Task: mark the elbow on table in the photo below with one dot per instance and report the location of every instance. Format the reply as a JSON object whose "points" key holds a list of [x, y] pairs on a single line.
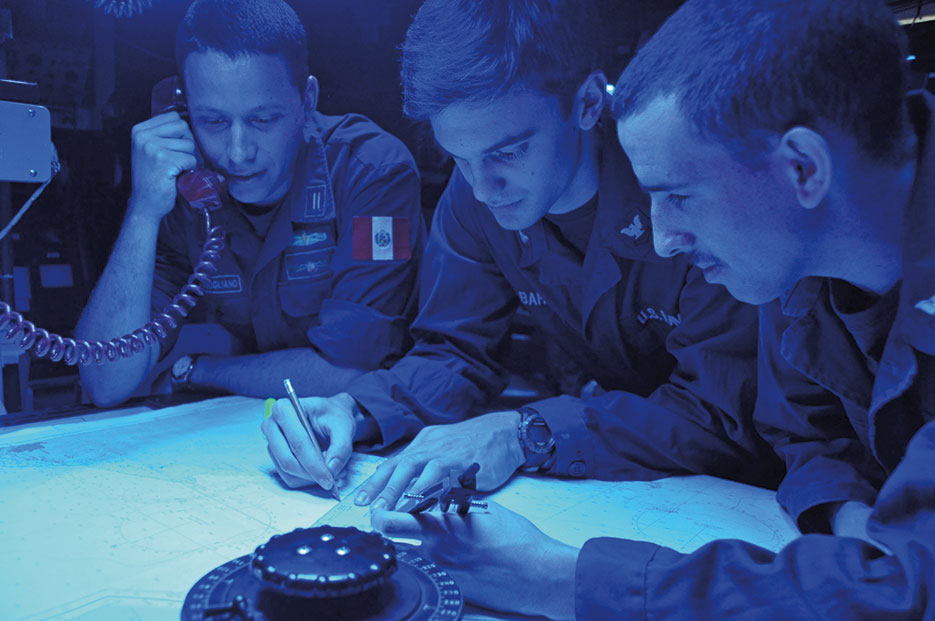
{"points": [[103, 388]]}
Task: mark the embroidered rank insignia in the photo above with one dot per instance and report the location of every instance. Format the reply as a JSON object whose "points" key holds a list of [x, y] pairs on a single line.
{"points": [[308, 239], [634, 230], [380, 238], [315, 200], [927, 306], [304, 265]]}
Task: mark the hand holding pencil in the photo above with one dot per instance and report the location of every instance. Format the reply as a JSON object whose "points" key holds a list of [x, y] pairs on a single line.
{"points": [[296, 430]]}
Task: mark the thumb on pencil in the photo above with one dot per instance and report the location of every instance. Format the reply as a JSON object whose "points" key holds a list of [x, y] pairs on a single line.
{"points": [[334, 421]]}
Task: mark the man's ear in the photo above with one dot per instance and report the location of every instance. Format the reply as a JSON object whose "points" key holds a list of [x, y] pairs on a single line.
{"points": [[806, 160], [589, 100], [310, 96]]}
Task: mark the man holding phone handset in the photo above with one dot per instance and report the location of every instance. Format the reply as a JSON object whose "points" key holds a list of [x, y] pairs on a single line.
{"points": [[323, 221]]}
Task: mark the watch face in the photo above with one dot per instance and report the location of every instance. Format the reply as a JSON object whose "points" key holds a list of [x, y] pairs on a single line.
{"points": [[181, 365], [535, 435]]}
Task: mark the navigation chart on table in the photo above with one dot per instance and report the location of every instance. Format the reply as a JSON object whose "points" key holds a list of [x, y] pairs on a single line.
{"points": [[114, 516], [117, 517], [682, 513]]}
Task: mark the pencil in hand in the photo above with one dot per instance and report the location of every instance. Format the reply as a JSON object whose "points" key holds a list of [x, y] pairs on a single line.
{"points": [[294, 400]]}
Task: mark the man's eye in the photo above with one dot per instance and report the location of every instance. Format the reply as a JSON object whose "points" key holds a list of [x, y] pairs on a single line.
{"points": [[512, 154], [264, 120], [213, 123], [677, 200]]}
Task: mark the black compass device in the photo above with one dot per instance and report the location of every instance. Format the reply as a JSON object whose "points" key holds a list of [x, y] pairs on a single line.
{"points": [[326, 572]]}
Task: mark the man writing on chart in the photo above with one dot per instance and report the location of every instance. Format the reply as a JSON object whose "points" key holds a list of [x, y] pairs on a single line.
{"points": [[542, 211], [295, 285], [784, 155]]}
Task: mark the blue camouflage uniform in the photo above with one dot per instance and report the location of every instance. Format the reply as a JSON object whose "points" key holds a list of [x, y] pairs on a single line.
{"points": [[854, 420], [297, 283], [675, 354]]}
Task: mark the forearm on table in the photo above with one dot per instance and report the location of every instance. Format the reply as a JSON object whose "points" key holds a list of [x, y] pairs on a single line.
{"points": [[120, 304], [710, 435], [619, 435], [557, 575], [261, 375], [418, 391]]}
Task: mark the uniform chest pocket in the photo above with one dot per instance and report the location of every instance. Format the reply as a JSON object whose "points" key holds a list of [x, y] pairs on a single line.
{"points": [[305, 281]]}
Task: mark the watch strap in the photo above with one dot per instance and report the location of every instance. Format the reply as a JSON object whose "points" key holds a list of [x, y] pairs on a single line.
{"points": [[183, 381]]}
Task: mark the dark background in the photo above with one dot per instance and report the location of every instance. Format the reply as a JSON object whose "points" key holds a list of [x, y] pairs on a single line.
{"points": [[95, 72]]}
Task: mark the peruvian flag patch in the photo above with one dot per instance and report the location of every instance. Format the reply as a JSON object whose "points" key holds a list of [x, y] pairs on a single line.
{"points": [[380, 238]]}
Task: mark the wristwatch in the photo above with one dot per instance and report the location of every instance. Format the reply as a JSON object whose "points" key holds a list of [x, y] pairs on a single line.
{"points": [[536, 439], [182, 372]]}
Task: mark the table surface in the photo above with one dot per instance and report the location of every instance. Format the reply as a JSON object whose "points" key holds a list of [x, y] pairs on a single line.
{"points": [[116, 515]]}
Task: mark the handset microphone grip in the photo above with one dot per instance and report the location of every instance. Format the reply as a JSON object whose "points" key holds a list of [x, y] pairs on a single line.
{"points": [[201, 188]]}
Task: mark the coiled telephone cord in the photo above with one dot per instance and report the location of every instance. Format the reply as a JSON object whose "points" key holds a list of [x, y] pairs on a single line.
{"points": [[77, 351]]}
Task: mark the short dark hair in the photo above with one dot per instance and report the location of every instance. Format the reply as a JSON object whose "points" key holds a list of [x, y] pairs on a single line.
{"points": [[477, 50], [238, 27], [739, 69]]}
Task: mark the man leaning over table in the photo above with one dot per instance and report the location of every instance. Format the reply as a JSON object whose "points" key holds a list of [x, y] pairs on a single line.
{"points": [[542, 211], [785, 157]]}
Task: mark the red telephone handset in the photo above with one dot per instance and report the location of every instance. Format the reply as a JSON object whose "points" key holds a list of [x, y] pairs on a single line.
{"points": [[168, 96], [201, 187]]}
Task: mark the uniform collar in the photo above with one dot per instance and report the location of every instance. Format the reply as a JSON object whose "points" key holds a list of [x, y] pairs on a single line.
{"points": [[914, 326], [802, 297], [918, 287], [622, 222], [309, 199]]}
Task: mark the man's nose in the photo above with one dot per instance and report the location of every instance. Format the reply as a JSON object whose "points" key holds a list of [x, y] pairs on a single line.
{"points": [[669, 239], [487, 184], [240, 147]]}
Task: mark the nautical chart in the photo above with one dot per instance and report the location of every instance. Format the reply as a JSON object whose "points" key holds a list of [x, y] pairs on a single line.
{"points": [[683, 513], [114, 516]]}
